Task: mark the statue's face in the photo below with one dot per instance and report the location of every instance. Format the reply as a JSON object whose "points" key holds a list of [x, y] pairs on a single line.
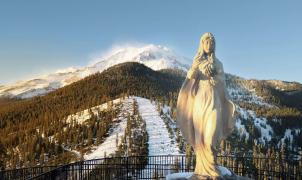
{"points": [[208, 45]]}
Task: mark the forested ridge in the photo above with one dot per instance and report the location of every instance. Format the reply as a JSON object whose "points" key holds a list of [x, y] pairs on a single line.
{"points": [[20, 119], [28, 125]]}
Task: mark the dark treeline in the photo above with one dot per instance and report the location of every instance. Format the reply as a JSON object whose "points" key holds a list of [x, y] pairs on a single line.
{"points": [[135, 139], [289, 98]]}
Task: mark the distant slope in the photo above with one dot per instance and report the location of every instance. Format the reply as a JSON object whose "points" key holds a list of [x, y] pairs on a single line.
{"points": [[280, 93]]}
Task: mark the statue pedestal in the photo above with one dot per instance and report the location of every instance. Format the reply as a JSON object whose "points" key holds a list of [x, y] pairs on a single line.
{"points": [[226, 175]]}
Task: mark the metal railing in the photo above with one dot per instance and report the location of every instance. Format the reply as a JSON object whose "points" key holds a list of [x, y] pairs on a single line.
{"points": [[157, 167], [25, 173]]}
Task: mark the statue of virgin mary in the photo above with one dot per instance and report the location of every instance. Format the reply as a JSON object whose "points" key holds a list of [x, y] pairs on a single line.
{"points": [[205, 115]]}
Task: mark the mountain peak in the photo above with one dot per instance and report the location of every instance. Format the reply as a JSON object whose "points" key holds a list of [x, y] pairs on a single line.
{"points": [[156, 57]]}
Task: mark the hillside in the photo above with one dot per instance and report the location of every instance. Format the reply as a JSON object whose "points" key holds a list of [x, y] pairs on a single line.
{"points": [[79, 121], [20, 119]]}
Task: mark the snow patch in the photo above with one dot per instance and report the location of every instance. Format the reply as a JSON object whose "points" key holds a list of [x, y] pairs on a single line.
{"points": [[109, 146], [289, 135], [241, 129], [82, 116], [259, 122], [240, 92], [265, 129]]}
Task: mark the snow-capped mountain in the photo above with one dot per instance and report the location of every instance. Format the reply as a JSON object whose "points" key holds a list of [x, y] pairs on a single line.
{"points": [[153, 56], [86, 123]]}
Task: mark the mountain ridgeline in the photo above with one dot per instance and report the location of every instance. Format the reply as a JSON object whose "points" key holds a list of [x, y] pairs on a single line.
{"points": [[125, 78], [27, 125], [155, 57]]}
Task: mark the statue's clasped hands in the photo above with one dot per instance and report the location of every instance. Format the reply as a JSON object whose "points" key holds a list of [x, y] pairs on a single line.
{"points": [[208, 69]]}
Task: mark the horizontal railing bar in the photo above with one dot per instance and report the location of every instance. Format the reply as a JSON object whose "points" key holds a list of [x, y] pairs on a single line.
{"points": [[126, 166]]}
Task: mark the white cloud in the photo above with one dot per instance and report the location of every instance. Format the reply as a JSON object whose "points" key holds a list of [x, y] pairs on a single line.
{"points": [[103, 54]]}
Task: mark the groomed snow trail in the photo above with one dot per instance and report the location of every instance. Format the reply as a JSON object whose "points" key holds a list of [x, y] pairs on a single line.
{"points": [[159, 140]]}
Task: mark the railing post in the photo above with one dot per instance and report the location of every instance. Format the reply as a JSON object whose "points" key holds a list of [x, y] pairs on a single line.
{"points": [[66, 171], [127, 168], [81, 169]]}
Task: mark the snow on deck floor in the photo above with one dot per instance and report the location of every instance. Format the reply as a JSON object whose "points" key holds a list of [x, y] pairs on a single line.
{"points": [[109, 145]]}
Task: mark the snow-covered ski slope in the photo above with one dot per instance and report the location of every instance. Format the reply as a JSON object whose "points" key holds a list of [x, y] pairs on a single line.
{"points": [[109, 146], [159, 141]]}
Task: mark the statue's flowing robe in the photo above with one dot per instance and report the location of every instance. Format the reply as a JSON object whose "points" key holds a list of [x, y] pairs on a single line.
{"points": [[205, 116]]}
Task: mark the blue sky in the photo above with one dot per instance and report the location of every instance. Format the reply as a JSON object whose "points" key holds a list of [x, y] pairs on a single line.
{"points": [[255, 39]]}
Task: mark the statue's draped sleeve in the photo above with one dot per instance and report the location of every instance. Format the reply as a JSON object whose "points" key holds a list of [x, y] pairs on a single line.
{"points": [[229, 107], [185, 104], [185, 110]]}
